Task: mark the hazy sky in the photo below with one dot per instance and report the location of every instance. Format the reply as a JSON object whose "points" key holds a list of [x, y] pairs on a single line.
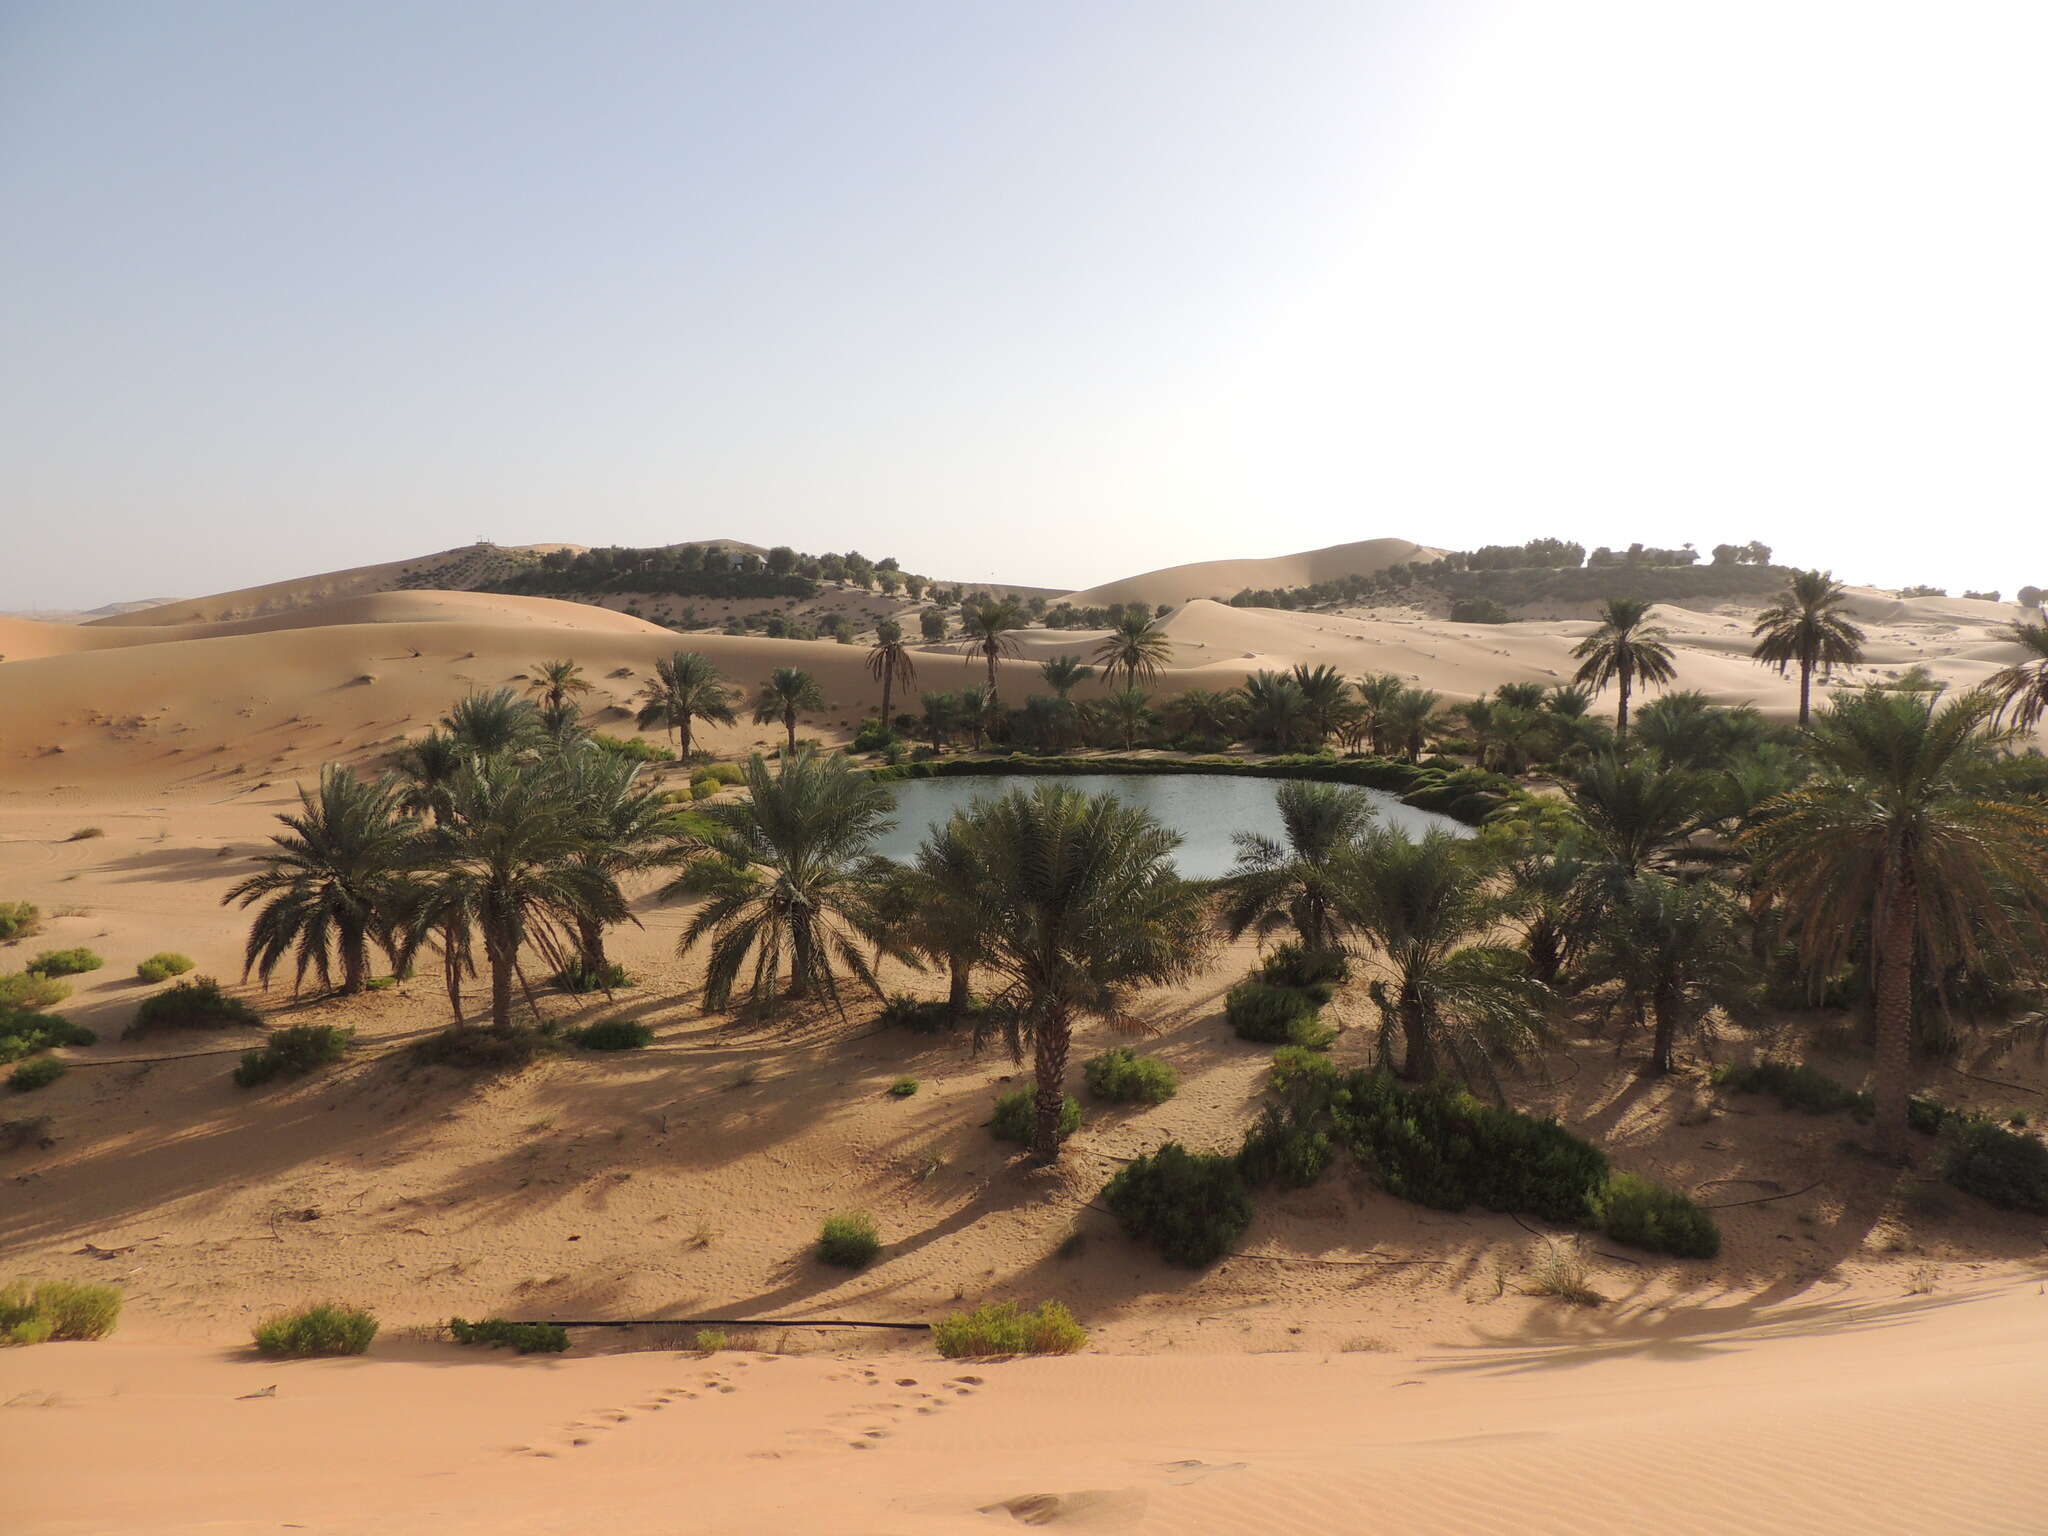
{"points": [[1045, 291]]}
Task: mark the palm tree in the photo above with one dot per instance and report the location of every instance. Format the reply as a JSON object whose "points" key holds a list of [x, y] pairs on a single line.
{"points": [[1569, 701], [426, 768], [1544, 872], [889, 662], [1136, 647], [1203, 714], [790, 873], [1129, 710], [1503, 735], [1275, 709], [687, 688], [1805, 628], [1377, 693], [336, 884], [1293, 881], [977, 706], [1625, 650], [1632, 816], [1407, 721], [507, 865], [484, 724], [940, 716], [1081, 904], [2021, 690], [987, 625], [1529, 696], [787, 690], [1325, 691], [933, 909], [626, 826], [1063, 672], [557, 682], [1902, 835], [1424, 906], [1672, 950]]}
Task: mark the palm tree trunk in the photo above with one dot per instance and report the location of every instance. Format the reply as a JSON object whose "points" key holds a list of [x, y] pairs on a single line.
{"points": [[789, 721], [1660, 1045], [685, 728], [1895, 1019], [1419, 1063], [501, 988], [888, 677], [355, 962], [1621, 714], [590, 945], [1805, 690], [956, 991], [992, 678], [1055, 1038]]}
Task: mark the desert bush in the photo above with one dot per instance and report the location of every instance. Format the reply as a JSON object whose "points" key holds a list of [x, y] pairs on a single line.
{"points": [[722, 774], [709, 1341], [612, 1035], [85, 833], [24, 1034], [484, 1050], [849, 1240], [1003, 1328], [1281, 1148], [1274, 1015], [65, 962], [39, 1073], [1562, 1270], [163, 965], [1122, 1076], [293, 1053], [903, 1088], [57, 1309], [19, 920], [29, 1131], [582, 978], [1016, 1116], [1793, 1084], [498, 1332], [1191, 1207], [633, 748], [196, 1004], [1318, 972], [325, 1329], [920, 1016], [20, 990], [874, 735], [1479, 610], [2005, 1168], [1645, 1214]]}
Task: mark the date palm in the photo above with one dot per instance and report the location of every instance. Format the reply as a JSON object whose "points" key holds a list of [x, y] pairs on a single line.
{"points": [[787, 690], [939, 717], [557, 683], [1203, 714], [790, 872], [1326, 693], [1291, 880], [1625, 650], [1127, 711], [506, 868], [2021, 690], [987, 625], [1061, 673], [933, 908], [1377, 693], [1275, 710], [1805, 628], [1425, 911], [336, 884], [1672, 951], [1137, 647], [425, 769], [1082, 904], [486, 724], [1407, 721], [1904, 834], [625, 827], [889, 663], [687, 688]]}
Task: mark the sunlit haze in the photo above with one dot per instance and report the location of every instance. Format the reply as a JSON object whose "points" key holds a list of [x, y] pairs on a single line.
{"points": [[1049, 293]]}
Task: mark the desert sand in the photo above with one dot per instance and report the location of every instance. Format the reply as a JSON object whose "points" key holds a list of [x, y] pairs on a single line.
{"points": [[1864, 1342]]}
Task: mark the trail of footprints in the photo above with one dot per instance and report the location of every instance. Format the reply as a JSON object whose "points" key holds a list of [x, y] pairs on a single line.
{"points": [[862, 1427]]}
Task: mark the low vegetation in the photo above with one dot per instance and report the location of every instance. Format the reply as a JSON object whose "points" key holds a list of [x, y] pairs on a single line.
{"points": [[39, 1073], [24, 1034], [499, 1333], [1000, 1328], [26, 1131], [1644, 1214], [581, 978], [1016, 1115], [2002, 1167], [1562, 1270], [293, 1053], [57, 1309], [162, 966], [196, 1004], [324, 1329], [1273, 1014], [19, 920], [1794, 1085], [1122, 1076], [612, 1035], [1190, 1206], [903, 1088], [849, 1240], [20, 990], [65, 962]]}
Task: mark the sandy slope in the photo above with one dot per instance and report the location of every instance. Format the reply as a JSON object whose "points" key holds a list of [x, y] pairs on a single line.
{"points": [[1224, 578]]}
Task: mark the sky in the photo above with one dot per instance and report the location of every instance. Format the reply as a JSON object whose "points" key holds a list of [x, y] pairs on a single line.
{"points": [[1040, 292]]}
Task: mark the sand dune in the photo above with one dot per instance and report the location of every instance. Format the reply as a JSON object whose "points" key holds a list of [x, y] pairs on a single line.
{"points": [[1224, 578]]}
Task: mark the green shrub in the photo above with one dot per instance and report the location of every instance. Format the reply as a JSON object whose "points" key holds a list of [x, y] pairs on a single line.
{"points": [[24, 1034], [1280, 1148], [1016, 1116], [1191, 1207], [325, 1329], [196, 1004], [57, 1309], [903, 1088], [703, 789], [1122, 1076], [612, 1035], [633, 748], [1274, 1015], [163, 966], [1644, 1214], [497, 1332], [39, 1073], [1794, 1085], [722, 774], [473, 1049], [293, 1053], [874, 735], [923, 1016], [2008, 1169], [65, 962], [1003, 1328], [581, 978], [1317, 972], [710, 1341], [1479, 610], [20, 990], [849, 1240], [19, 920]]}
